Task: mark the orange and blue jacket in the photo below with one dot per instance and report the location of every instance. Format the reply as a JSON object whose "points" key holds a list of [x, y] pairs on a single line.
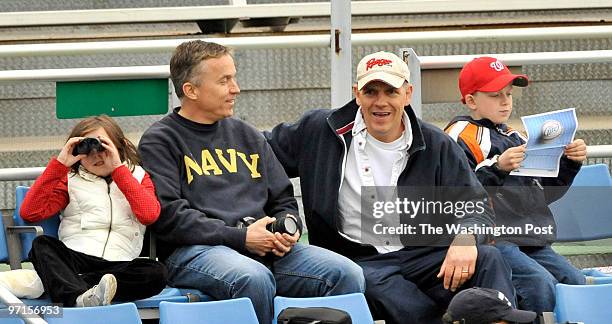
{"points": [[517, 200]]}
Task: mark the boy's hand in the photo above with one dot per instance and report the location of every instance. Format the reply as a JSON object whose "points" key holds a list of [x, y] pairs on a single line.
{"points": [[511, 158], [576, 150]]}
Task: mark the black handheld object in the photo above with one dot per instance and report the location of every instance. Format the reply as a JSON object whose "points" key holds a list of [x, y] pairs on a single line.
{"points": [[86, 145], [283, 224]]}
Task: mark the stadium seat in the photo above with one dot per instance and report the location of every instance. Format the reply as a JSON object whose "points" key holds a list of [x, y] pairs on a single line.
{"points": [[6, 318], [596, 175], [583, 213], [354, 304], [50, 225], [238, 310], [125, 313], [584, 303], [4, 255], [596, 277]]}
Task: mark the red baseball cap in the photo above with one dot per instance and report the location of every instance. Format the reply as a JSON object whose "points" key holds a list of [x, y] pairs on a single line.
{"points": [[489, 75]]}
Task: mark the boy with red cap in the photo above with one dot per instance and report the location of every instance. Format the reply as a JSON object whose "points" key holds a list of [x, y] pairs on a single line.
{"points": [[493, 150]]}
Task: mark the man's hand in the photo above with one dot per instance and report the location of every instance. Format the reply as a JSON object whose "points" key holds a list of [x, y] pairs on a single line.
{"points": [[258, 239], [284, 242], [460, 262], [576, 150], [511, 158]]}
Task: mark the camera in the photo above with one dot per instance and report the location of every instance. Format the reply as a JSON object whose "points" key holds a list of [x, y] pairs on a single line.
{"points": [[86, 145], [283, 224]]}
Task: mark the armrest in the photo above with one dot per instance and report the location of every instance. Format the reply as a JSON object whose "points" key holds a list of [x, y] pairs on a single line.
{"points": [[14, 244], [25, 229]]}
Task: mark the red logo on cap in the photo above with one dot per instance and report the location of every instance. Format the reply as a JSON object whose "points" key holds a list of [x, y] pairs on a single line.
{"points": [[374, 61]]}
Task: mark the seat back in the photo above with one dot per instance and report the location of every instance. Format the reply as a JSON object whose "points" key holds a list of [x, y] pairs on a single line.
{"points": [[596, 175], [238, 310], [583, 213], [7, 317], [49, 225], [596, 277], [4, 254], [125, 313], [354, 304], [584, 303]]}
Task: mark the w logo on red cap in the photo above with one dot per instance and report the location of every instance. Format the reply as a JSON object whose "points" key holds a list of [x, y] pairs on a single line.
{"points": [[497, 66]]}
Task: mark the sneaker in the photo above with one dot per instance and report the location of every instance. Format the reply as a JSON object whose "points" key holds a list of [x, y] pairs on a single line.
{"points": [[100, 294]]}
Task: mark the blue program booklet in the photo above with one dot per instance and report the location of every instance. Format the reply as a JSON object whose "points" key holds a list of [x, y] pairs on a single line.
{"points": [[548, 134]]}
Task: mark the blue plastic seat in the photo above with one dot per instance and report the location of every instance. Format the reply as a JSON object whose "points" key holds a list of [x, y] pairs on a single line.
{"points": [[596, 175], [8, 318], [583, 213], [125, 313], [4, 255], [238, 310], [354, 304], [596, 277], [584, 303], [50, 225]]}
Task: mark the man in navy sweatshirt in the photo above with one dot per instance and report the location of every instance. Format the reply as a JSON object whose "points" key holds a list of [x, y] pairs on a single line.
{"points": [[376, 141], [212, 173]]}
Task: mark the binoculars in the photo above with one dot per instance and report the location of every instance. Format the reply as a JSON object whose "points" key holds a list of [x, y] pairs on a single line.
{"points": [[283, 224], [86, 145]]}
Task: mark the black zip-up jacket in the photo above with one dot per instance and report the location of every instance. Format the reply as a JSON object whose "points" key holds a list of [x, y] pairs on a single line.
{"points": [[314, 149], [209, 177], [517, 200]]}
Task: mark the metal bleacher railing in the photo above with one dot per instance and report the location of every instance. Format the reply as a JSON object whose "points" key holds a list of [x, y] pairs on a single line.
{"points": [[425, 62], [239, 9]]}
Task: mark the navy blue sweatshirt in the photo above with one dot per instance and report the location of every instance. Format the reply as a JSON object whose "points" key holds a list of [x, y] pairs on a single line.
{"points": [[208, 177]]}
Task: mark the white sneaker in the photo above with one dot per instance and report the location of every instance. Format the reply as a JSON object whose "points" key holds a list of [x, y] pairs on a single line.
{"points": [[100, 294]]}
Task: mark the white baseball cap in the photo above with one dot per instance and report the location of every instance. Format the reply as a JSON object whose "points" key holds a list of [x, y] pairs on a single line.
{"points": [[382, 66]]}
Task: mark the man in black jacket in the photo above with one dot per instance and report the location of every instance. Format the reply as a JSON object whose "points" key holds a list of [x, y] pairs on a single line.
{"points": [[375, 141], [212, 173]]}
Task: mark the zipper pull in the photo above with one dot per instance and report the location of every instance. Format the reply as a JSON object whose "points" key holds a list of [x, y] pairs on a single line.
{"points": [[537, 183]]}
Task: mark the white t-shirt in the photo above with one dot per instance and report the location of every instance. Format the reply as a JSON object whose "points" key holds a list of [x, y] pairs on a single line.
{"points": [[370, 162]]}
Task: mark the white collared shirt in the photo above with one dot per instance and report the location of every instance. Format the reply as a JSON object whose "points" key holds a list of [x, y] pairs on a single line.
{"points": [[369, 163]]}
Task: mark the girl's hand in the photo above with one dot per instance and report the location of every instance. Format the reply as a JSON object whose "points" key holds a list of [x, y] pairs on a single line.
{"points": [[65, 157], [110, 152]]}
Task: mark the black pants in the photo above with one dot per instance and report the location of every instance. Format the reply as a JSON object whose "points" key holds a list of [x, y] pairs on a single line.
{"points": [[401, 286], [66, 273]]}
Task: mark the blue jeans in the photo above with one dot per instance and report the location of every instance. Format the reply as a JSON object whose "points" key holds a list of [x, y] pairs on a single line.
{"points": [[223, 273], [535, 272]]}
